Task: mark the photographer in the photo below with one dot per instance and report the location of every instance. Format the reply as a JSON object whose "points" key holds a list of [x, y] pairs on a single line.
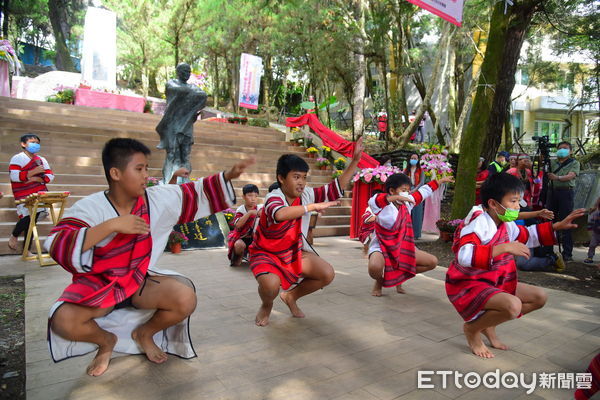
{"points": [[561, 193]]}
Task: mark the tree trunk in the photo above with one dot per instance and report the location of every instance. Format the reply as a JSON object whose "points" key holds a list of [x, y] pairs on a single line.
{"points": [[216, 82], [5, 16], [426, 103], [358, 58], [495, 86], [58, 17], [520, 18], [152, 85]]}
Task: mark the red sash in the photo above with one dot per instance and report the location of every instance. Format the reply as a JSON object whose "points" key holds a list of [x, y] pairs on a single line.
{"points": [[366, 228], [277, 249], [24, 189], [118, 268], [469, 288], [398, 249]]}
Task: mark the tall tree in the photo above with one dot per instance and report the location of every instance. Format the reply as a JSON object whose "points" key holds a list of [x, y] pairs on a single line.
{"points": [[496, 81]]}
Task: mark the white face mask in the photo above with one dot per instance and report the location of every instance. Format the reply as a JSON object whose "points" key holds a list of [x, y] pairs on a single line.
{"points": [[403, 194]]}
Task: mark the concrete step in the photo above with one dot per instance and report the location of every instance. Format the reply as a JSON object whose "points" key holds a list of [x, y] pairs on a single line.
{"points": [[331, 230]]}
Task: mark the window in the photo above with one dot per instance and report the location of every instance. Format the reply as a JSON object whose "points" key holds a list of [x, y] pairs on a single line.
{"points": [[517, 122], [555, 130]]}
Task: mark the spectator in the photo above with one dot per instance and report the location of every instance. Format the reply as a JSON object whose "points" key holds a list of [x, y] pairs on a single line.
{"points": [[500, 164], [561, 193]]}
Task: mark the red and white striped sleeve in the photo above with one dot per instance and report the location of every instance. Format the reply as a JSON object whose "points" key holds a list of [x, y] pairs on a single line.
{"points": [[471, 250], [330, 192], [65, 242], [48, 174], [424, 192], [273, 203], [532, 236], [15, 167], [378, 202], [204, 197]]}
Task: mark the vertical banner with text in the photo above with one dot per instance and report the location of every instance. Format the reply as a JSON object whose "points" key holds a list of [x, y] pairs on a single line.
{"points": [[450, 10], [251, 70]]}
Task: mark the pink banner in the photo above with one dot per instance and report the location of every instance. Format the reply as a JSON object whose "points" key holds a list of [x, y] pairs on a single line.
{"points": [[450, 10], [91, 98], [4, 85]]}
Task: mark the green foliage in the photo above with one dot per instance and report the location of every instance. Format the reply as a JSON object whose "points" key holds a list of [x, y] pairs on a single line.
{"points": [[263, 123]]}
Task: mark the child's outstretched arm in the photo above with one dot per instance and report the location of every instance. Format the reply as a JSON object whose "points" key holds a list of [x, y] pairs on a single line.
{"points": [[293, 212], [348, 173], [545, 214], [239, 168], [567, 223]]}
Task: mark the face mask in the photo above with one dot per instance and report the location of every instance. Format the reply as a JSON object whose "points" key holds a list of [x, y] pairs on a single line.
{"points": [[414, 162], [509, 214], [33, 147], [562, 153]]}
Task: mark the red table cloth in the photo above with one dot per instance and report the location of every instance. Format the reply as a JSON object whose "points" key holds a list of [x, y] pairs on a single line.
{"points": [[92, 98]]}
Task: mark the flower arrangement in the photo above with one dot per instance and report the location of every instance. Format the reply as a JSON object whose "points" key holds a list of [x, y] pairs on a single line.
{"points": [[152, 181], [379, 174], [229, 214], [177, 237], [322, 162], [325, 151], [148, 107], [434, 161], [8, 54], [449, 226], [62, 94], [340, 163], [336, 173], [198, 79]]}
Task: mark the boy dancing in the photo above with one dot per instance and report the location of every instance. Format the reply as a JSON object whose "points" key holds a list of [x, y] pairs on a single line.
{"points": [[110, 241], [481, 282], [280, 255], [393, 256]]}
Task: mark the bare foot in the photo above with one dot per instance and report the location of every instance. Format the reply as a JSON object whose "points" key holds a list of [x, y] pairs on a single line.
{"points": [[236, 261], [145, 341], [294, 309], [400, 290], [490, 333], [376, 289], [263, 314], [475, 343], [13, 241], [99, 364]]}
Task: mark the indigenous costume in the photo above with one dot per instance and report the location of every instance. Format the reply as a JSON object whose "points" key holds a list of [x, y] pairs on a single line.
{"points": [[20, 165], [245, 232], [366, 228], [277, 246], [394, 235], [474, 276], [113, 270]]}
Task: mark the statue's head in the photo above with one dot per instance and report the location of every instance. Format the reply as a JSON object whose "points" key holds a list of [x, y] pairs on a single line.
{"points": [[183, 71]]}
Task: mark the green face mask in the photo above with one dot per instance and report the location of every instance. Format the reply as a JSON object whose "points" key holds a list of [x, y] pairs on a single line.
{"points": [[509, 215]]}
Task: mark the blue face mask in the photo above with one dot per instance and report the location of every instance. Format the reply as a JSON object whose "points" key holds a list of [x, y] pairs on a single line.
{"points": [[562, 153], [33, 147], [414, 162]]}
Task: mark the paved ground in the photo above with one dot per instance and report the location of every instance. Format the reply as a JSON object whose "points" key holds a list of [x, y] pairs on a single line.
{"points": [[350, 346]]}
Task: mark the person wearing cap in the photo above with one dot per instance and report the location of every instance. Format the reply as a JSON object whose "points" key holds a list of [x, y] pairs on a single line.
{"points": [[500, 164], [561, 194]]}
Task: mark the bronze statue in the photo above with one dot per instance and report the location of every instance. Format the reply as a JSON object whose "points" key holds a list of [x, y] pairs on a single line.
{"points": [[176, 128]]}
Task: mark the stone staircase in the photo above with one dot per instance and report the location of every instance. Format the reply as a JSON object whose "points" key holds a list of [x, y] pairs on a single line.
{"points": [[72, 138]]}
